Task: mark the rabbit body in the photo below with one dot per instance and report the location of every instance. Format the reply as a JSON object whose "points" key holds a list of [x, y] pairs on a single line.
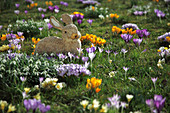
{"points": [[57, 45], [68, 43]]}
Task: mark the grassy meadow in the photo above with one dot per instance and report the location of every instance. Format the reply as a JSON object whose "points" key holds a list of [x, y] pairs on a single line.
{"points": [[130, 72]]}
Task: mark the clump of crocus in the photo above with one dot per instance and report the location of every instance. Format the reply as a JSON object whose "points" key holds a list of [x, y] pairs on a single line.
{"points": [[93, 39], [137, 41], [72, 69], [165, 37], [64, 3], [130, 25], [142, 33], [32, 5], [115, 103], [126, 37], [13, 39], [35, 104], [48, 3], [93, 84], [123, 31], [159, 13], [164, 51], [114, 15], [77, 16], [3, 104], [156, 104], [94, 106], [35, 41]]}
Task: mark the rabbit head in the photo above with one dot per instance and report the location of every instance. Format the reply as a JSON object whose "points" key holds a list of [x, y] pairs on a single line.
{"points": [[70, 31]]}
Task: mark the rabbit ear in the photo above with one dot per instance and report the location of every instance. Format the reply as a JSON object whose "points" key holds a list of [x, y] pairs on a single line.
{"points": [[55, 23], [66, 18]]}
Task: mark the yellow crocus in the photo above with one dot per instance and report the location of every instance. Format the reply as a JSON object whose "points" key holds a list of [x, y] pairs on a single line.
{"points": [[26, 90], [3, 104], [11, 108]]}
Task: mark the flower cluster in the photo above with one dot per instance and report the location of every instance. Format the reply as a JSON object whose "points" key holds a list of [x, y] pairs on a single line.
{"points": [[64, 3], [48, 3], [89, 2], [115, 102], [93, 39], [94, 83], [123, 31], [29, 27], [55, 8], [164, 51], [72, 69], [159, 13], [140, 10], [52, 82], [156, 104], [78, 16], [130, 25], [114, 15], [142, 33], [35, 104], [14, 40], [96, 12], [94, 106], [3, 104], [35, 41], [32, 5], [165, 37]]}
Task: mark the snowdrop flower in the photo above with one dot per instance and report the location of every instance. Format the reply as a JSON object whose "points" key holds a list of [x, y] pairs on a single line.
{"points": [[101, 16], [129, 97], [47, 20]]}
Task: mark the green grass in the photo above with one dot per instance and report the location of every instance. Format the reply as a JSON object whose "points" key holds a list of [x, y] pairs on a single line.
{"points": [[69, 98]]}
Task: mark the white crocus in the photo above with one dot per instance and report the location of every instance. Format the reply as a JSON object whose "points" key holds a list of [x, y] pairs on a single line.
{"points": [[112, 73], [129, 97], [101, 16], [59, 86], [96, 104], [84, 103]]}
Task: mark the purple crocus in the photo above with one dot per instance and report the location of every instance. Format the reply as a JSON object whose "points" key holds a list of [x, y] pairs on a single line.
{"points": [[158, 102], [154, 80], [108, 51], [40, 9], [42, 15], [61, 2], [65, 4], [137, 41], [41, 79], [56, 7], [17, 5], [44, 10], [51, 8], [25, 11], [85, 59], [90, 21], [91, 50], [20, 34], [126, 37], [23, 79], [79, 21], [1, 27], [49, 26], [43, 108], [126, 69]]}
